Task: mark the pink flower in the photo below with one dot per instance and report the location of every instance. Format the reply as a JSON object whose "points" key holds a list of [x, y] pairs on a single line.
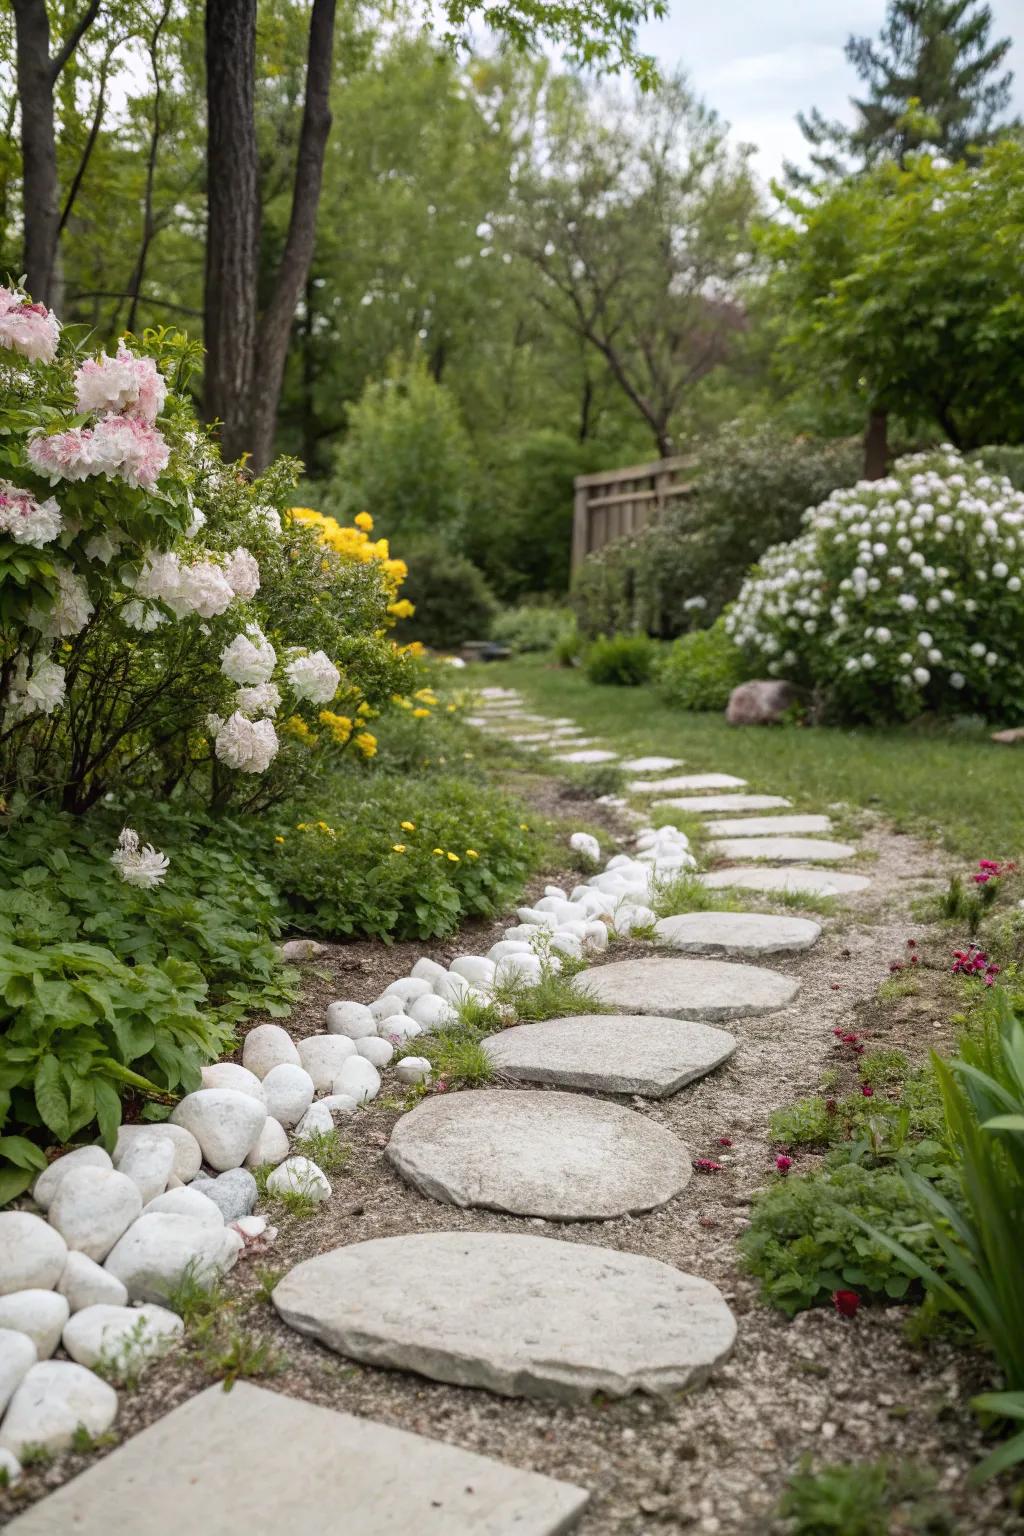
{"points": [[29, 329], [783, 1163], [867, 1090], [706, 1165], [725, 1141], [846, 1303], [118, 445]]}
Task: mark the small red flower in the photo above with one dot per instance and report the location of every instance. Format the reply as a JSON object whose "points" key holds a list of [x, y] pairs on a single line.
{"points": [[867, 1090], [783, 1163], [706, 1165], [725, 1141], [846, 1303], [911, 943]]}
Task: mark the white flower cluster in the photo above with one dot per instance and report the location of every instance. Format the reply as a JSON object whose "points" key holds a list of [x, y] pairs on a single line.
{"points": [[26, 520], [38, 692], [250, 746], [125, 383], [313, 677], [144, 867], [250, 658], [204, 587], [31, 330], [898, 591], [71, 611]]}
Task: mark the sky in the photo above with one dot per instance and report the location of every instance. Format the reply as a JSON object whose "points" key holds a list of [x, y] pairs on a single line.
{"points": [[759, 62]]}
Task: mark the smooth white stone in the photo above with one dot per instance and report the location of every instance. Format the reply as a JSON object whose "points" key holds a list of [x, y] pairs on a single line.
{"points": [[454, 989], [225, 1123], [650, 764], [251, 1226], [432, 1012], [322, 1057], [270, 1146], [398, 1030], [228, 1074], [268, 1046], [93, 1206], [630, 916], [352, 1019], [769, 826], [413, 1069], [84, 1283], [289, 1092], [121, 1337], [408, 988], [40, 1315], [596, 936], [819, 882], [519, 968], [154, 1253], [54, 1399], [188, 1202], [585, 843], [82, 1157], [428, 969], [10, 1466], [17, 1357], [298, 1175], [536, 917], [813, 850], [386, 1007], [379, 1052], [556, 890], [475, 968], [149, 1162], [340, 1104], [567, 944], [301, 949], [188, 1155], [358, 1078], [317, 1121]]}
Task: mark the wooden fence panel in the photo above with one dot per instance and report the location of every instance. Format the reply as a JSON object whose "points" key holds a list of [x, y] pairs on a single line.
{"points": [[616, 502]]}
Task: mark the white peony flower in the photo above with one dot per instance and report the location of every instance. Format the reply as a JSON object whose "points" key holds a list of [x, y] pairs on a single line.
{"points": [[142, 616], [922, 676], [264, 699], [205, 589], [907, 601], [243, 573], [71, 611], [27, 520], [250, 658], [144, 867], [103, 548], [313, 677], [269, 517], [957, 680], [38, 694], [248, 745]]}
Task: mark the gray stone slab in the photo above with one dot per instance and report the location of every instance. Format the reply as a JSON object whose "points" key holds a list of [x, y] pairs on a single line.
{"points": [[690, 989], [247, 1461], [651, 764], [521, 1315], [817, 882], [611, 1053], [586, 755], [681, 783], [557, 1155], [769, 826], [815, 850], [708, 805], [740, 934]]}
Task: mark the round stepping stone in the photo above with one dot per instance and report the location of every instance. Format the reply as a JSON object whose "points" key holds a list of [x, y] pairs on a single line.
{"points": [[691, 989], [682, 782], [707, 805], [816, 882], [778, 849], [586, 755], [611, 1053], [736, 933], [556, 1155], [651, 764], [768, 826], [546, 1319]]}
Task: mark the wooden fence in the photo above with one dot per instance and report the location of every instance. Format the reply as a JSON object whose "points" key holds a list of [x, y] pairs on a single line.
{"points": [[622, 501]]}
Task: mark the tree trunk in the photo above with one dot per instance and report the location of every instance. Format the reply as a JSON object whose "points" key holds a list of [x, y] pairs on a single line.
{"points": [[38, 147], [293, 270], [233, 220], [876, 446]]}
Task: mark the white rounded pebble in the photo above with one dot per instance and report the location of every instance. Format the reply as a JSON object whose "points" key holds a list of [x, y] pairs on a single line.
{"points": [[93, 1206], [225, 1123], [339, 1104], [583, 842], [476, 968], [85, 1283], [359, 1078], [188, 1202], [155, 1252], [268, 1046], [301, 949], [322, 1057], [250, 1226], [399, 1029], [567, 944], [413, 1069], [453, 988], [40, 1315], [10, 1466], [297, 1175], [508, 947], [386, 1007], [525, 968], [352, 1019], [532, 917], [53, 1401], [409, 988], [82, 1157], [188, 1155], [289, 1093], [270, 1146], [596, 935], [17, 1356], [555, 890], [121, 1337], [149, 1162], [317, 1121], [432, 1012], [228, 1074], [428, 970], [379, 1052]]}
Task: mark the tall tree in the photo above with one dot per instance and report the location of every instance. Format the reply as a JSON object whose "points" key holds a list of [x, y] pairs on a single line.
{"points": [[933, 77]]}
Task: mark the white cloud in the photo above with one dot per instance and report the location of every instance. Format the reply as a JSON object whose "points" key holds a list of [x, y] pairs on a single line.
{"points": [[799, 61]]}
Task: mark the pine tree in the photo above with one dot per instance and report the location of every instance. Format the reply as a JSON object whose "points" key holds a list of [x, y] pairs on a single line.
{"points": [[931, 78]]}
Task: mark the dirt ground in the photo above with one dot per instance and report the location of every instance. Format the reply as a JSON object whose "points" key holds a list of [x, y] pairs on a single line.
{"points": [[712, 1462]]}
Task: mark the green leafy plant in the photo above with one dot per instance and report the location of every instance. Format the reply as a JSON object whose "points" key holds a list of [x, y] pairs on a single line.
{"points": [[863, 1499], [623, 660], [700, 670], [532, 627]]}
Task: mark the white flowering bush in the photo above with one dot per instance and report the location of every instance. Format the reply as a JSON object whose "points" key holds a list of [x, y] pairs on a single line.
{"points": [[901, 595]]}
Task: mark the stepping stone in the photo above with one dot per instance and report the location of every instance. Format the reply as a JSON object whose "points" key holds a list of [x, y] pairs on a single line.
{"points": [[816, 882], [736, 933], [768, 826], [556, 1155], [521, 1315], [691, 989], [249, 1460], [651, 764], [611, 1053], [706, 805], [771, 849], [683, 782], [589, 755]]}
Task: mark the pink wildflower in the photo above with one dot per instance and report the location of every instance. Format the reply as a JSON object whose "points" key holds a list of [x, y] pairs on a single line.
{"points": [[783, 1163], [706, 1165], [846, 1303]]}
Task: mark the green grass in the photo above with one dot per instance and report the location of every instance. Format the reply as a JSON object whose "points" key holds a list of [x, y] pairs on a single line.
{"points": [[941, 782]]}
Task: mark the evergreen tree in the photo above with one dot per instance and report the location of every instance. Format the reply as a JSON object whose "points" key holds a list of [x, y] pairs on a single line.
{"points": [[931, 78]]}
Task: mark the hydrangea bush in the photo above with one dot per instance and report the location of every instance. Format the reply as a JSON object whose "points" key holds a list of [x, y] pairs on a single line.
{"points": [[901, 595]]}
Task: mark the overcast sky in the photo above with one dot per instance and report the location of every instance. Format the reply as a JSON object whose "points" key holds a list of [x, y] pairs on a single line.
{"points": [[759, 62]]}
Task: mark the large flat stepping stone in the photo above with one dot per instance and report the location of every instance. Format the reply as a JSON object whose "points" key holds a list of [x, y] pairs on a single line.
{"points": [[651, 764], [736, 933], [611, 1053], [707, 805], [782, 849], [691, 989], [248, 1460], [521, 1315], [556, 1155], [586, 755], [681, 782], [816, 882], [768, 826]]}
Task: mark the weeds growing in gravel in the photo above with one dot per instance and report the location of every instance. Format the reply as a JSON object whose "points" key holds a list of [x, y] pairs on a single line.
{"points": [[234, 1353], [325, 1148], [212, 1336], [805, 901], [266, 1282], [555, 995], [84, 1443], [868, 1498], [686, 892], [196, 1297]]}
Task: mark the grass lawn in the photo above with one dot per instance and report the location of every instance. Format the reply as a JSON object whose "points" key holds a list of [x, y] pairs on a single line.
{"points": [[955, 786]]}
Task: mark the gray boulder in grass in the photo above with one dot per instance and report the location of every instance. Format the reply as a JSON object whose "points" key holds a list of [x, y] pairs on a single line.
{"points": [[764, 702]]}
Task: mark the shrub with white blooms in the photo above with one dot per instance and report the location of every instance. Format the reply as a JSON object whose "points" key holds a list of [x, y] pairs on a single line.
{"points": [[902, 595]]}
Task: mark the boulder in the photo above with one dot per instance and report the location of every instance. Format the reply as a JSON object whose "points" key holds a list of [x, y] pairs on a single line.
{"points": [[228, 1074], [40, 1315], [188, 1156], [54, 1399], [121, 1337], [299, 1176], [193, 1201], [149, 1162], [373, 1049], [17, 1356], [322, 1057], [764, 702], [289, 1090], [49, 1179], [267, 1046], [85, 1283], [225, 1122], [155, 1252], [32, 1253], [352, 1019], [233, 1193], [270, 1146], [301, 949], [359, 1078]]}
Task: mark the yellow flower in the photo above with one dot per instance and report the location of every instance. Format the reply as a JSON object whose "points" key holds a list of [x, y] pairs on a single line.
{"points": [[451, 708], [397, 847], [367, 744], [364, 521], [297, 727], [278, 839], [454, 858], [340, 726], [439, 850], [523, 827], [408, 826], [421, 714], [426, 696], [471, 853], [403, 609]]}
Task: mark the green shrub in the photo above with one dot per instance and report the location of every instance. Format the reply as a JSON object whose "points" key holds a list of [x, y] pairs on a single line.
{"points": [[869, 1498], [591, 781], [622, 660], [532, 627], [451, 596], [700, 670], [1002, 459]]}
